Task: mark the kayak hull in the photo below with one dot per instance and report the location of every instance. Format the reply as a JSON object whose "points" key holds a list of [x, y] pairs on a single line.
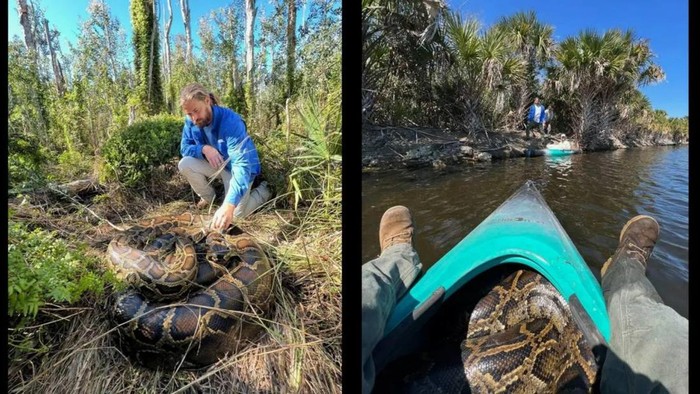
{"points": [[561, 152], [523, 231]]}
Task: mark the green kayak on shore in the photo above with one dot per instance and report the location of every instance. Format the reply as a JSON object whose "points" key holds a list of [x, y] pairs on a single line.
{"points": [[522, 231], [561, 152], [562, 148]]}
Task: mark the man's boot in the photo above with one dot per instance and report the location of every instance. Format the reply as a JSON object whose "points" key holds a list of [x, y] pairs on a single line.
{"points": [[396, 227], [637, 240]]}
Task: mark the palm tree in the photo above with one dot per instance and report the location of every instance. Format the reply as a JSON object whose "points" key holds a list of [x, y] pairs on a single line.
{"points": [[399, 40], [595, 72], [533, 42], [485, 68]]}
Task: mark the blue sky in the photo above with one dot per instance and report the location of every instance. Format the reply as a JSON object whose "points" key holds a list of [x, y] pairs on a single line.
{"points": [[664, 24], [66, 16]]}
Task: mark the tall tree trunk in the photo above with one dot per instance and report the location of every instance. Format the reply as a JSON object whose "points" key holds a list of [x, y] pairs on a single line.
{"points": [[185, 10], [146, 57], [26, 25], [151, 60], [303, 15], [110, 48], [26, 19], [169, 95], [58, 75], [166, 39], [235, 76], [132, 108], [250, 12], [234, 62], [291, 44]]}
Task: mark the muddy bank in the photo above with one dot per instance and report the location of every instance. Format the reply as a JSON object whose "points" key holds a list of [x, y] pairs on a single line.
{"points": [[403, 147]]}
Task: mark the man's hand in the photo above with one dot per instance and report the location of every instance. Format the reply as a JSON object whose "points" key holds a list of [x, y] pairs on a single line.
{"points": [[213, 156], [223, 216]]}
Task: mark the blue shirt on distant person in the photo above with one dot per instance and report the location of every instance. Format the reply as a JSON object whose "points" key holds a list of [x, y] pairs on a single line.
{"points": [[227, 133], [536, 113]]}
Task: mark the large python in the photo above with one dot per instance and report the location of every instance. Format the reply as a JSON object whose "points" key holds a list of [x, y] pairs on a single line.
{"points": [[519, 338], [194, 292]]}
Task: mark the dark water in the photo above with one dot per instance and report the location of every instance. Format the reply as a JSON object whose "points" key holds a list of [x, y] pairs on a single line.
{"points": [[593, 196]]}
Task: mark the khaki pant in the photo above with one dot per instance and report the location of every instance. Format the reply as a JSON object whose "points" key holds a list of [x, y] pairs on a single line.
{"points": [[649, 340], [384, 281], [197, 173]]}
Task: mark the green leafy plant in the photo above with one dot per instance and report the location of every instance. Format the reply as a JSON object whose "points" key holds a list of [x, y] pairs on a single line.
{"points": [[317, 163], [43, 268], [71, 165], [26, 161], [131, 154]]}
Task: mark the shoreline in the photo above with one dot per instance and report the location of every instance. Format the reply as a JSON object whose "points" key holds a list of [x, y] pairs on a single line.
{"points": [[389, 147]]}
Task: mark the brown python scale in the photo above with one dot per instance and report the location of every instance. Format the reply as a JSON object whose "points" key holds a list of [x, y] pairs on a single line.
{"points": [[520, 338], [194, 292]]}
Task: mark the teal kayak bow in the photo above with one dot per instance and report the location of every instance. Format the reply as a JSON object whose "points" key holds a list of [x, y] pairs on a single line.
{"points": [[523, 231]]}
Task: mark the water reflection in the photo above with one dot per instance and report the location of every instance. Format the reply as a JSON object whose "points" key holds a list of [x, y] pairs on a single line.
{"points": [[561, 163]]}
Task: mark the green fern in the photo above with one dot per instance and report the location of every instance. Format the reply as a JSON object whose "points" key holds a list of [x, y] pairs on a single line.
{"points": [[43, 268]]}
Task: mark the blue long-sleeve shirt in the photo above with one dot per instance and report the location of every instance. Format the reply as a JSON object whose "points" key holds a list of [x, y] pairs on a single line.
{"points": [[531, 113], [227, 133]]}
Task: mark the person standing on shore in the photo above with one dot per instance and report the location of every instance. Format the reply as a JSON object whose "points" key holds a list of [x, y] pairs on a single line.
{"points": [[548, 116], [535, 117]]}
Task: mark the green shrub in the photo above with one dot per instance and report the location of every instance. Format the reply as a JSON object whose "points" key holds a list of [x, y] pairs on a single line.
{"points": [[43, 268], [26, 161], [71, 165], [131, 154]]}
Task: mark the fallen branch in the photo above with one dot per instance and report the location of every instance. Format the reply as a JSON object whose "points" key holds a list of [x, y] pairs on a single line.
{"points": [[429, 134], [399, 154], [80, 187], [74, 201], [417, 131]]}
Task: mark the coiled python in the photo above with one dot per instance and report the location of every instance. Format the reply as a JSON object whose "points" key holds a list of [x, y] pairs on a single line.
{"points": [[193, 290], [519, 338]]}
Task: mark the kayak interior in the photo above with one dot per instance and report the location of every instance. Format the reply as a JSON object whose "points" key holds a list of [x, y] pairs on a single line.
{"points": [[433, 348]]}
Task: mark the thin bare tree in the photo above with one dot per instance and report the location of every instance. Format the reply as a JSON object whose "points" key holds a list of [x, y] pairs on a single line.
{"points": [[166, 40], [26, 24], [291, 44], [250, 12], [185, 10], [234, 62], [154, 33], [57, 73]]}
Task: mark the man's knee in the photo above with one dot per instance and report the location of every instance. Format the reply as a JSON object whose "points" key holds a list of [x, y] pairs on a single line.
{"points": [[186, 164]]}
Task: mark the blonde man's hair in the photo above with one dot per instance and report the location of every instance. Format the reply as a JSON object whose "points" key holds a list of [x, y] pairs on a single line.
{"points": [[195, 91]]}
